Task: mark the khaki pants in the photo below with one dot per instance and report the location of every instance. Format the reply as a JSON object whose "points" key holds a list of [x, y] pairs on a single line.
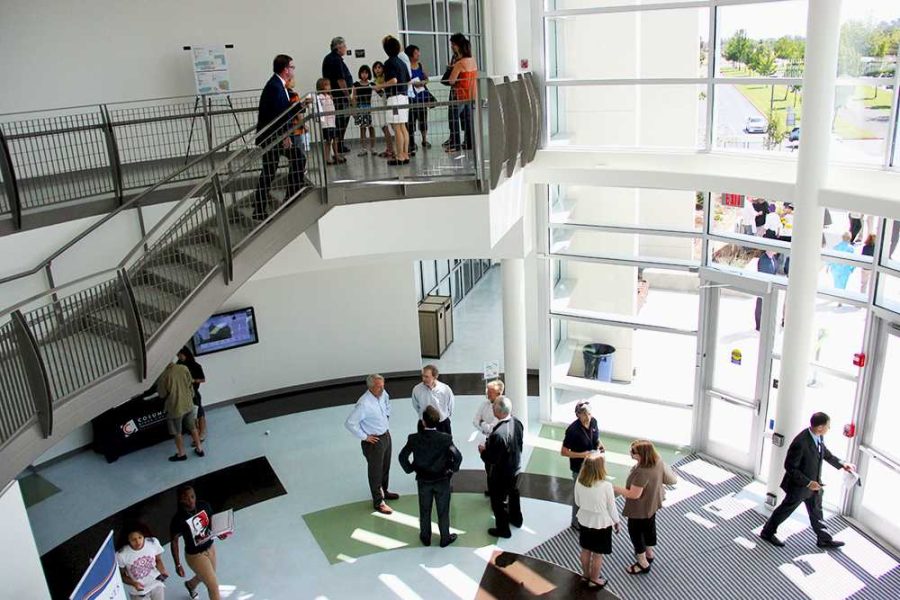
{"points": [[204, 566]]}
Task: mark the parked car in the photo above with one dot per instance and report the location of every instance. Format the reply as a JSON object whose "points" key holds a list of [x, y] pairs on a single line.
{"points": [[755, 125], [794, 135]]}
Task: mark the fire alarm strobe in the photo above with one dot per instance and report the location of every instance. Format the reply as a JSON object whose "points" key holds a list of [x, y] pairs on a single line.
{"points": [[859, 359], [850, 430]]}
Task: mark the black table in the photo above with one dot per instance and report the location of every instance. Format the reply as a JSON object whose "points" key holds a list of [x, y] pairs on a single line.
{"points": [[136, 424]]}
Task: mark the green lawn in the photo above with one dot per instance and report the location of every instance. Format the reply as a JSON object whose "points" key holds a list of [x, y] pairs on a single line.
{"points": [[764, 97]]}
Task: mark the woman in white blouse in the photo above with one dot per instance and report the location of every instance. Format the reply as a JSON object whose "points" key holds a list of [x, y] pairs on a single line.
{"points": [[485, 420], [597, 515]]}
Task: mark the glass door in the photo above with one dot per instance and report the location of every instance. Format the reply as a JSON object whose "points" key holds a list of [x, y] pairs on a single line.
{"points": [[739, 326], [874, 504]]}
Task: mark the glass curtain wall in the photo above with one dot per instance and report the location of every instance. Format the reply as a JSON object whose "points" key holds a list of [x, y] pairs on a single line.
{"points": [[429, 24], [623, 269], [455, 277], [716, 75]]}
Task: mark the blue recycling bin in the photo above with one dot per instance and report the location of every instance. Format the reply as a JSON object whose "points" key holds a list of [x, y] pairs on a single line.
{"points": [[598, 361]]}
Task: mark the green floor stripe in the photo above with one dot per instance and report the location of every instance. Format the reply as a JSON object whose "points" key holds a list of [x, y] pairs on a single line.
{"points": [[333, 527], [549, 462]]}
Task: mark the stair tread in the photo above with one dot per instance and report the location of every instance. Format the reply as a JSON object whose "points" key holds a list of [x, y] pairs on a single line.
{"points": [[202, 252], [115, 315], [180, 274]]}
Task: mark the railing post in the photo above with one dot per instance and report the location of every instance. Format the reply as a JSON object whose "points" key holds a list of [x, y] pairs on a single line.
{"points": [[207, 123], [222, 214], [10, 183], [35, 373], [496, 133], [112, 149], [479, 139], [135, 325]]}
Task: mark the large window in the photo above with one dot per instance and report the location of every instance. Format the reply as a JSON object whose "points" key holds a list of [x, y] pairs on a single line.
{"points": [[429, 24], [716, 75]]}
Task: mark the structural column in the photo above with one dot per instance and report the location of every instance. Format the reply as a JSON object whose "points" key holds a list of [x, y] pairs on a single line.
{"points": [[822, 34], [515, 363], [503, 36]]}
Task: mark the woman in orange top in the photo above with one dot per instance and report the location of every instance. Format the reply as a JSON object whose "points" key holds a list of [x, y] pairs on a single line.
{"points": [[463, 80]]}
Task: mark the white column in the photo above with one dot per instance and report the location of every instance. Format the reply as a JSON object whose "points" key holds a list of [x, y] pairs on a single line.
{"points": [[503, 35], [822, 33], [20, 564], [515, 362]]}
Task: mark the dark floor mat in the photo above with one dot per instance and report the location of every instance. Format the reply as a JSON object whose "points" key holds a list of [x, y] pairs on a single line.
{"points": [[511, 575], [235, 487], [35, 489], [316, 397]]}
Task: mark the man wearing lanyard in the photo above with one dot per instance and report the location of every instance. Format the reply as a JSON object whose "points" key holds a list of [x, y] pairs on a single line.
{"points": [[802, 482], [581, 440], [369, 423], [432, 392]]}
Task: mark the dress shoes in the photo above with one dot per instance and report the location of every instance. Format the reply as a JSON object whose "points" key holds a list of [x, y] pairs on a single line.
{"points": [[384, 509], [449, 540], [391, 496], [516, 524], [830, 544], [425, 541], [494, 532], [772, 540]]}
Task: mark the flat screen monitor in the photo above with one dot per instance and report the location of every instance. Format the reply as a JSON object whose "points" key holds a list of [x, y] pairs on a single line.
{"points": [[225, 331]]}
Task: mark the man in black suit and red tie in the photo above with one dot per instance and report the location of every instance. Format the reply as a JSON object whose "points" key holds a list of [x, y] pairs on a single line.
{"points": [[803, 482], [273, 110]]}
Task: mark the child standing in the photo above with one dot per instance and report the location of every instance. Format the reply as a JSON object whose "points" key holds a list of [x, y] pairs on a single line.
{"points": [[362, 98], [379, 117], [597, 515], [325, 106]]}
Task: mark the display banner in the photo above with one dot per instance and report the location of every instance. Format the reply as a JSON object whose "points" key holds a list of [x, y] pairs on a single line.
{"points": [[102, 580]]}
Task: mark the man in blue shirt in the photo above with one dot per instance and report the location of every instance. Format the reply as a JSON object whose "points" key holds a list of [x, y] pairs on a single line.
{"points": [[802, 482], [369, 423]]}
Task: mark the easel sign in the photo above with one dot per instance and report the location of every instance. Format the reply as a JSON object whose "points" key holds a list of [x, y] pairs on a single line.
{"points": [[211, 74]]}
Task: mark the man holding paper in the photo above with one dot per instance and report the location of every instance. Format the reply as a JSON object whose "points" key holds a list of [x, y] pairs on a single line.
{"points": [[193, 524], [803, 482]]}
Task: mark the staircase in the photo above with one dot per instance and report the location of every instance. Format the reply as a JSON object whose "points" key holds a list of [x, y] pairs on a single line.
{"points": [[71, 353]]}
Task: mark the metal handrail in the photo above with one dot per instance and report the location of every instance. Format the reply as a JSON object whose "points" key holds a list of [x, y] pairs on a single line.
{"points": [[136, 200]]}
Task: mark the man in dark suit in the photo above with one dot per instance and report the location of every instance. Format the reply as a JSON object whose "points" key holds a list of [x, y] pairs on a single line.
{"points": [[335, 70], [803, 482], [502, 453], [272, 127], [435, 459]]}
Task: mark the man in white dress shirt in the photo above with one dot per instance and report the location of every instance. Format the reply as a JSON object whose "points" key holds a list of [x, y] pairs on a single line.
{"points": [[432, 392], [369, 423]]}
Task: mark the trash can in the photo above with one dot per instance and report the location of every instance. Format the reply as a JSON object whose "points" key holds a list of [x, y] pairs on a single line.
{"points": [[598, 361]]}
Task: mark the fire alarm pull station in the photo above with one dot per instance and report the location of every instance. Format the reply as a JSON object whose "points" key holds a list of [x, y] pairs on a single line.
{"points": [[859, 359], [850, 430]]}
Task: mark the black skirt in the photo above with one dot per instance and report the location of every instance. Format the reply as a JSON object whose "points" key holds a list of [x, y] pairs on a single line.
{"points": [[598, 541]]}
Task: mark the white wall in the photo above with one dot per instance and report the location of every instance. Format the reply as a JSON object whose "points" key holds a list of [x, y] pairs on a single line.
{"points": [[319, 321], [20, 564], [67, 52]]}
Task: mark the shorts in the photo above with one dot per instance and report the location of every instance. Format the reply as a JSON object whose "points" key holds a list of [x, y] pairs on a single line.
{"points": [[598, 541], [329, 133], [198, 402], [187, 421], [400, 114], [363, 118]]}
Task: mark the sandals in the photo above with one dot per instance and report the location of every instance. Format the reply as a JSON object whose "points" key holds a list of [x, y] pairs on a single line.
{"points": [[597, 586], [637, 569]]}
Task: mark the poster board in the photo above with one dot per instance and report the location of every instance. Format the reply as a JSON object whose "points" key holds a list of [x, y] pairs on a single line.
{"points": [[211, 75], [102, 580]]}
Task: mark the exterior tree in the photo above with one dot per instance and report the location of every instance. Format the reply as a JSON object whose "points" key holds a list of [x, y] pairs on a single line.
{"points": [[737, 48]]}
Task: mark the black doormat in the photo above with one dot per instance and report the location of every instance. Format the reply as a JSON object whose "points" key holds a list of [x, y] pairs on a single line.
{"points": [[509, 575], [280, 404], [235, 487]]}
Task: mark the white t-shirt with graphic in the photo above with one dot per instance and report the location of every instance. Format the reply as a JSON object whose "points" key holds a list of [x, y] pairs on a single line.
{"points": [[141, 565]]}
